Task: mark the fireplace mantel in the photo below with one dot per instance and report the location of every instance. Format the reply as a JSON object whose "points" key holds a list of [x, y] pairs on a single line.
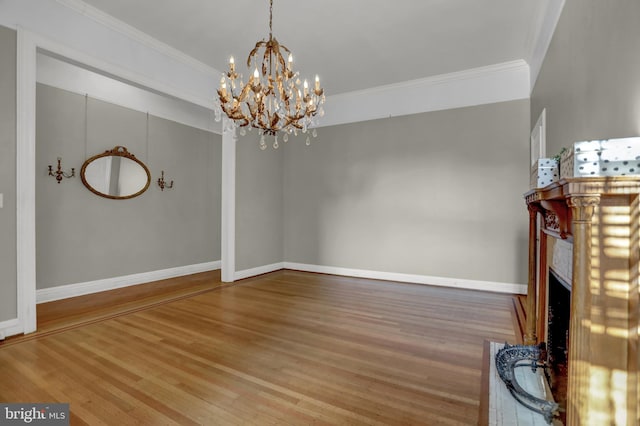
{"points": [[601, 217]]}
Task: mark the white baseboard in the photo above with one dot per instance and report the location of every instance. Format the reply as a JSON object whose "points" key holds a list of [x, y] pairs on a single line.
{"points": [[491, 286], [9, 328], [89, 287], [246, 273]]}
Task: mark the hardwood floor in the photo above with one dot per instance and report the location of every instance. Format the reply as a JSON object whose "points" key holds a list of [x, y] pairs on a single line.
{"points": [[62, 314], [283, 348]]}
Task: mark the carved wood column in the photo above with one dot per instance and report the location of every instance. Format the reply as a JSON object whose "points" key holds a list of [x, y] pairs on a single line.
{"points": [[542, 285], [582, 208], [530, 337]]}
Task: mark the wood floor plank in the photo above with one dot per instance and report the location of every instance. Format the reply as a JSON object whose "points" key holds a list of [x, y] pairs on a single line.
{"points": [[284, 348]]}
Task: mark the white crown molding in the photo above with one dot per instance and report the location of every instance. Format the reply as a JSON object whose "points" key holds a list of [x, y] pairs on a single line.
{"points": [[483, 85], [90, 287], [490, 286], [452, 77], [71, 33], [58, 49], [118, 49], [143, 38], [542, 39]]}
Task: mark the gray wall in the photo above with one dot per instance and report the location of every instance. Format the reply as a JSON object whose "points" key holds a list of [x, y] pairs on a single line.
{"points": [[8, 288], [436, 194], [590, 79], [82, 237], [259, 202]]}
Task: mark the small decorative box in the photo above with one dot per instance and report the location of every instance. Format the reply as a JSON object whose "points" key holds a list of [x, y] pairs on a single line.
{"points": [[544, 172], [613, 157]]}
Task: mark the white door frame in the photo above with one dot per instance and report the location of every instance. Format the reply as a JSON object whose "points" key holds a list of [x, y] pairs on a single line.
{"points": [[28, 44]]}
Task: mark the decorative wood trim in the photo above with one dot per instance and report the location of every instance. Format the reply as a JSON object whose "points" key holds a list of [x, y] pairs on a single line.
{"points": [[582, 207], [530, 337], [557, 217], [90, 287], [612, 185], [551, 222]]}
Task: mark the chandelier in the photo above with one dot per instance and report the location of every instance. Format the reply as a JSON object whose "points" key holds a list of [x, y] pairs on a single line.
{"points": [[273, 99]]}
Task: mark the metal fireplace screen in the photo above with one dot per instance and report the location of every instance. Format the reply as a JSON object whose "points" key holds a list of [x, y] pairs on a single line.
{"points": [[511, 357]]}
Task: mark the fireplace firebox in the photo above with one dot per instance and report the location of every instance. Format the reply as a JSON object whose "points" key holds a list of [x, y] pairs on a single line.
{"points": [[557, 343]]}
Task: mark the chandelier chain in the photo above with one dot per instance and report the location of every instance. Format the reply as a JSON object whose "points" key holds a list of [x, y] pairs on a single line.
{"points": [[270, 19]]}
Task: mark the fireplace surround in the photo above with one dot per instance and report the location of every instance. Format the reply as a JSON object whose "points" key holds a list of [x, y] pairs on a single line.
{"points": [[600, 219]]}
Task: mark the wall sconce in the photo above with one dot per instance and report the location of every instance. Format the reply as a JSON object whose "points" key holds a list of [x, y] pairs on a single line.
{"points": [[59, 174], [162, 184]]}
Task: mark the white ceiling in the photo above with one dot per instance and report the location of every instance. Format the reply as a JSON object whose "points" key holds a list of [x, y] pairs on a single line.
{"points": [[351, 44]]}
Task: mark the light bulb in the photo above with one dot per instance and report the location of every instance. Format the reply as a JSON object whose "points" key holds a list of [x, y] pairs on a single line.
{"points": [[285, 138], [308, 141]]}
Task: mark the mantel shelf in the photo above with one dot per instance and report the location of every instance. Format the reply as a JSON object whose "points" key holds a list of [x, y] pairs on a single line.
{"points": [[552, 200]]}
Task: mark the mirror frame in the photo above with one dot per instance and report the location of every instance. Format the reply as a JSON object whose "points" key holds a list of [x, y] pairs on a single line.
{"points": [[118, 151]]}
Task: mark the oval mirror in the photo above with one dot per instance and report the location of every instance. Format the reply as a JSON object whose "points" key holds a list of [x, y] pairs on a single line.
{"points": [[115, 174]]}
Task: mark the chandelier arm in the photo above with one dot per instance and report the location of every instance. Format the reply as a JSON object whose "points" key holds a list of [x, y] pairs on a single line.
{"points": [[253, 52], [274, 120], [244, 93], [294, 124], [265, 59], [283, 47]]}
